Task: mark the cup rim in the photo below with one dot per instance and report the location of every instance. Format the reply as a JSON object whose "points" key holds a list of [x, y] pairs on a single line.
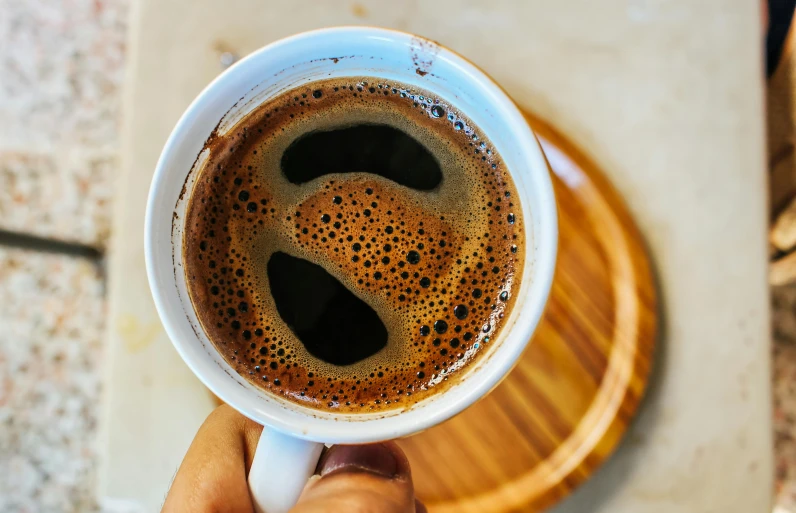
{"points": [[327, 430]]}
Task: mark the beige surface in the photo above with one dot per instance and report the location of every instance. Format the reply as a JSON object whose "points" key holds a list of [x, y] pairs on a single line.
{"points": [[665, 95]]}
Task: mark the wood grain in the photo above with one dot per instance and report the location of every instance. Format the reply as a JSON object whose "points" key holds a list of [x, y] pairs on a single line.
{"points": [[563, 409]]}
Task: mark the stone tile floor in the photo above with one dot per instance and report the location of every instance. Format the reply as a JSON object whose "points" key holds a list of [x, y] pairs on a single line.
{"points": [[51, 348], [62, 67]]}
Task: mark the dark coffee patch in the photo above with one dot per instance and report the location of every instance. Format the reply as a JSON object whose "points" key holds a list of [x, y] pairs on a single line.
{"points": [[332, 323], [377, 149]]}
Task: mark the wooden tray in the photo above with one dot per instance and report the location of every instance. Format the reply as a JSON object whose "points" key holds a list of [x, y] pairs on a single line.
{"points": [[562, 410]]}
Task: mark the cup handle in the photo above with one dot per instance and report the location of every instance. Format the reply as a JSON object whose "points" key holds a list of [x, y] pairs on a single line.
{"points": [[281, 467]]}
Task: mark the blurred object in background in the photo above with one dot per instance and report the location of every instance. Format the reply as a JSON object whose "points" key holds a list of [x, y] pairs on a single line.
{"points": [[781, 116]]}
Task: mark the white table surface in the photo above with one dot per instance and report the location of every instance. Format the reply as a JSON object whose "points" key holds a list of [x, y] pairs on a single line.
{"points": [[666, 95]]}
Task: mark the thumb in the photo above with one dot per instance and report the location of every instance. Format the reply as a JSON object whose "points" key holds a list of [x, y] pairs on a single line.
{"points": [[361, 479]]}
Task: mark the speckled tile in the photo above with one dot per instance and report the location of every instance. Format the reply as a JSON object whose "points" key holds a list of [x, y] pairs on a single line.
{"points": [[51, 347], [66, 197], [62, 68]]}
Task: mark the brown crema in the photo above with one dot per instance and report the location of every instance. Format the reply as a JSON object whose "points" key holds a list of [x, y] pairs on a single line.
{"points": [[438, 262]]}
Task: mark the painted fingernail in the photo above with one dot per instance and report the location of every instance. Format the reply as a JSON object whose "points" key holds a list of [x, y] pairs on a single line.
{"points": [[376, 459]]}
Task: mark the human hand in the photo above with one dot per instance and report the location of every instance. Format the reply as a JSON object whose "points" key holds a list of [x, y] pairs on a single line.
{"points": [[356, 479]]}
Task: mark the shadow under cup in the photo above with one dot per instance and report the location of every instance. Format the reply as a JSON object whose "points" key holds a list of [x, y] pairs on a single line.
{"points": [[330, 53]]}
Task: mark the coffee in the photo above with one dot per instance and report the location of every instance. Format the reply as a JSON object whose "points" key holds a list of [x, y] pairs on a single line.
{"points": [[353, 244]]}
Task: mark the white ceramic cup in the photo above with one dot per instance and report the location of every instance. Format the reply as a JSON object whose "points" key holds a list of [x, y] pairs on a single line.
{"points": [[293, 437]]}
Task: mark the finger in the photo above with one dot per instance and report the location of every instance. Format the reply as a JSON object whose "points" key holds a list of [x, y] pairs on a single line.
{"points": [[420, 507], [212, 477], [360, 479]]}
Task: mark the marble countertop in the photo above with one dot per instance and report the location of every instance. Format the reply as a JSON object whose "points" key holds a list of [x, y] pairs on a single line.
{"points": [[63, 66], [627, 81]]}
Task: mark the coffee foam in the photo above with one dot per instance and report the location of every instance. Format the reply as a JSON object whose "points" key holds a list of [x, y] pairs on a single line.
{"points": [[439, 267]]}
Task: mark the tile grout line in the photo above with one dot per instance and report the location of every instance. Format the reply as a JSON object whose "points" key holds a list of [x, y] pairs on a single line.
{"points": [[24, 241], [46, 245]]}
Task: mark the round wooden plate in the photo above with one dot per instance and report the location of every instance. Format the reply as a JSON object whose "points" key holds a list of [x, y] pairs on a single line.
{"points": [[562, 410]]}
